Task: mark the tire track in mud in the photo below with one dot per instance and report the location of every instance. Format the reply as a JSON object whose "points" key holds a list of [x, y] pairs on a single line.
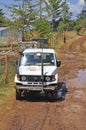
{"points": [[36, 116], [43, 119], [51, 120], [15, 122]]}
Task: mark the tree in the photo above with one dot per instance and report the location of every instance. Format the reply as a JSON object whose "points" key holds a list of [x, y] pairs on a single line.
{"points": [[21, 15], [2, 18], [78, 27], [72, 23], [65, 17], [66, 14], [40, 7], [62, 26], [50, 10], [57, 9], [25, 13], [43, 27]]}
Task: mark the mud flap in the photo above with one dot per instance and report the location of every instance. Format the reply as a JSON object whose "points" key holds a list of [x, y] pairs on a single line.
{"points": [[62, 90]]}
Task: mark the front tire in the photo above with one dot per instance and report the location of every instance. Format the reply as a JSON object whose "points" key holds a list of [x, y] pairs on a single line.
{"points": [[52, 96], [18, 95]]}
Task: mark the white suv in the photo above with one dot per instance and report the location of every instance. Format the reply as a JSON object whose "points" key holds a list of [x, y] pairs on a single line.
{"points": [[37, 72]]}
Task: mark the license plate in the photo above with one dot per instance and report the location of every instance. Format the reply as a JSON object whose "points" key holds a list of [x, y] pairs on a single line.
{"points": [[35, 88]]}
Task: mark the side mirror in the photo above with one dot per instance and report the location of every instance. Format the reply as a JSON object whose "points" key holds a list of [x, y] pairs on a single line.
{"points": [[58, 62], [21, 53]]}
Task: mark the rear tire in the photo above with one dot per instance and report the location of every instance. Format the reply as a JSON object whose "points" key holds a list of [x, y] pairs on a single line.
{"points": [[62, 90]]}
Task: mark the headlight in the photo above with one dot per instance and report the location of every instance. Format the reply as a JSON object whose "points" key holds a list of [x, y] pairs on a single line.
{"points": [[23, 78], [18, 77], [47, 78]]}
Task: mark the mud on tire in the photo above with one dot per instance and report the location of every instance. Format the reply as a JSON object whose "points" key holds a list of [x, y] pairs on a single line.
{"points": [[18, 95]]}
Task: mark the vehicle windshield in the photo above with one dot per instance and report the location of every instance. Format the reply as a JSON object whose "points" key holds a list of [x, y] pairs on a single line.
{"points": [[30, 59]]}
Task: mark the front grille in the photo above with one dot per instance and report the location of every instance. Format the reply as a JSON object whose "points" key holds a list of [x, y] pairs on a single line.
{"points": [[34, 78], [30, 78]]}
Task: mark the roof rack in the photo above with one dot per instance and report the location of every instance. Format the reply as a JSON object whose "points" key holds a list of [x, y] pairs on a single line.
{"points": [[36, 43]]}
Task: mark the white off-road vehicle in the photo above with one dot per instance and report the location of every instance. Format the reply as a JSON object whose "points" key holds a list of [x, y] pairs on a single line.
{"points": [[37, 73]]}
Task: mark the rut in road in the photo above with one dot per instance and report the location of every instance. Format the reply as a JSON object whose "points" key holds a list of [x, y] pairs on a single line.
{"points": [[30, 116], [36, 116]]}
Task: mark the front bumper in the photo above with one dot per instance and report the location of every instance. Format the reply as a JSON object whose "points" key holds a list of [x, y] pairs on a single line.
{"points": [[36, 88]]}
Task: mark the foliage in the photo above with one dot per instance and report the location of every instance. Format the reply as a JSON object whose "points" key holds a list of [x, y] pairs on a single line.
{"points": [[62, 26], [55, 10], [66, 14], [43, 27], [78, 27], [24, 13], [21, 16], [72, 23], [82, 16], [2, 18], [38, 14], [64, 22], [81, 21], [66, 26]]}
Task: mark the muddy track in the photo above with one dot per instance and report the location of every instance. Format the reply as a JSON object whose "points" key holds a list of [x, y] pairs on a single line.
{"points": [[79, 42], [31, 115], [41, 114]]}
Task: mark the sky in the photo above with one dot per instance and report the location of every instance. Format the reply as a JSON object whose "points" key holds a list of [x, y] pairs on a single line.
{"points": [[75, 6]]}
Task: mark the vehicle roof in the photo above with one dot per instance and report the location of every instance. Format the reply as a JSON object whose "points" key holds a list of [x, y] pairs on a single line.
{"points": [[39, 50]]}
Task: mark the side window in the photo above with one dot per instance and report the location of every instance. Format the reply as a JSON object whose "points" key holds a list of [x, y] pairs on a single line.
{"points": [[49, 58]]}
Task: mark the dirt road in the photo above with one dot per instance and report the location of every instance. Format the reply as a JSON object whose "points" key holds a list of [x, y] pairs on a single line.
{"points": [[41, 114]]}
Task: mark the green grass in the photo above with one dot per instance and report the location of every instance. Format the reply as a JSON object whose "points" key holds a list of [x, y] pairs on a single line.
{"points": [[7, 89], [5, 93]]}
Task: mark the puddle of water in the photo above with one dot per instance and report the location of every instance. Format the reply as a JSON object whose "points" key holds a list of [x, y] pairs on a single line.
{"points": [[82, 75], [80, 84], [82, 78], [80, 81]]}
